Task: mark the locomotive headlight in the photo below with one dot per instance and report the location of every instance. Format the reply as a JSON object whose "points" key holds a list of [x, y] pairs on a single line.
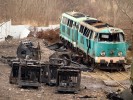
{"points": [[103, 53], [119, 53]]}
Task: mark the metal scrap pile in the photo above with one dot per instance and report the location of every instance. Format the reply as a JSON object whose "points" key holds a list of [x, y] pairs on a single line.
{"points": [[29, 71]]}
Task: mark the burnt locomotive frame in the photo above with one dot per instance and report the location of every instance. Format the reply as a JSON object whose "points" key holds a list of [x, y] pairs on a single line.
{"points": [[13, 78], [68, 79], [28, 71], [29, 75], [49, 71], [26, 50]]}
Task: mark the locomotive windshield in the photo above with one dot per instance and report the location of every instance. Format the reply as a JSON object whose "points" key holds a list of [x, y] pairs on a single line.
{"points": [[114, 37]]}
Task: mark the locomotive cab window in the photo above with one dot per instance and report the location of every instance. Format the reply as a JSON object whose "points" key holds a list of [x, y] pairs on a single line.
{"points": [[70, 23], [81, 29], [86, 32], [114, 37], [91, 34], [74, 25], [77, 26], [64, 20]]}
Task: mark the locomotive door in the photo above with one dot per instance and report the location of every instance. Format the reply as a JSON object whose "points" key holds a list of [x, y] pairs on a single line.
{"points": [[88, 45], [69, 30], [75, 32], [88, 40]]}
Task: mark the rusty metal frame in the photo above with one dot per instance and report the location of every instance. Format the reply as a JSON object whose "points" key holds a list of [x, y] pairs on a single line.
{"points": [[68, 79], [13, 78], [49, 75], [29, 75]]}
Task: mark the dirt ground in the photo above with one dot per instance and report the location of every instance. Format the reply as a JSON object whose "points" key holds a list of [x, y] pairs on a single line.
{"points": [[92, 84]]}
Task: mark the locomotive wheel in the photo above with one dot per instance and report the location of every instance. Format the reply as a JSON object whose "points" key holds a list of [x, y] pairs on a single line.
{"points": [[93, 65], [66, 44], [85, 60]]}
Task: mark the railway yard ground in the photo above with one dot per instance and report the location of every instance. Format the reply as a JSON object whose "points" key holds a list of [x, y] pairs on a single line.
{"points": [[94, 85]]}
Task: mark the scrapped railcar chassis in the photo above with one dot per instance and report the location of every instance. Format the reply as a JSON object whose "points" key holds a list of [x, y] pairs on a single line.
{"points": [[68, 79], [33, 73], [13, 78], [49, 71], [27, 50], [28, 71], [25, 73], [25, 65], [29, 74]]}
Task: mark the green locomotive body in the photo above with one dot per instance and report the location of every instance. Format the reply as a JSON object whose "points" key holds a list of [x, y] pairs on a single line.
{"points": [[99, 42]]}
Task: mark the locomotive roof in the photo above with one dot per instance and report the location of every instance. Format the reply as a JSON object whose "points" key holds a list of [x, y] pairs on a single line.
{"points": [[91, 23], [99, 26], [76, 16]]}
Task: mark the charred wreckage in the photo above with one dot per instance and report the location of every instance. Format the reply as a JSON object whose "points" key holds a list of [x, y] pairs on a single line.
{"points": [[29, 71]]}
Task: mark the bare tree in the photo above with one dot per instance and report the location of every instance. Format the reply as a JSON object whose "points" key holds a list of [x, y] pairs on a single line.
{"points": [[41, 12]]}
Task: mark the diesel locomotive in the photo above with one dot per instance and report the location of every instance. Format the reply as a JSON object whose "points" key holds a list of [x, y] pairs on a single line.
{"points": [[100, 43]]}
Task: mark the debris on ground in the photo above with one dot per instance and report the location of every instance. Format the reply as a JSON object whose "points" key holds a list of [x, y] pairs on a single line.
{"points": [[86, 96], [110, 83], [95, 88]]}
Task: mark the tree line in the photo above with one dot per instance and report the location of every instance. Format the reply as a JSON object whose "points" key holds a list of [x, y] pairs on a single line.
{"points": [[44, 12]]}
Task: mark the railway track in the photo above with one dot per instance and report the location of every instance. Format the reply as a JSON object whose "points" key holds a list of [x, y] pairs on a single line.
{"points": [[116, 81], [115, 77], [127, 76]]}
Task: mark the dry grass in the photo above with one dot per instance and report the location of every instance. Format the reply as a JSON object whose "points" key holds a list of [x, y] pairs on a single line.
{"points": [[129, 57], [49, 35], [46, 12]]}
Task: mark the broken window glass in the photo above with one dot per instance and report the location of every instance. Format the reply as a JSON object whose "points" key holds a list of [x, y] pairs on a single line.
{"points": [[64, 20], [115, 37], [81, 29]]}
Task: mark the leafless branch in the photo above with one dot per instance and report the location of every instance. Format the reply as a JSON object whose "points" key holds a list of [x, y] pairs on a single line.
{"points": [[124, 11]]}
